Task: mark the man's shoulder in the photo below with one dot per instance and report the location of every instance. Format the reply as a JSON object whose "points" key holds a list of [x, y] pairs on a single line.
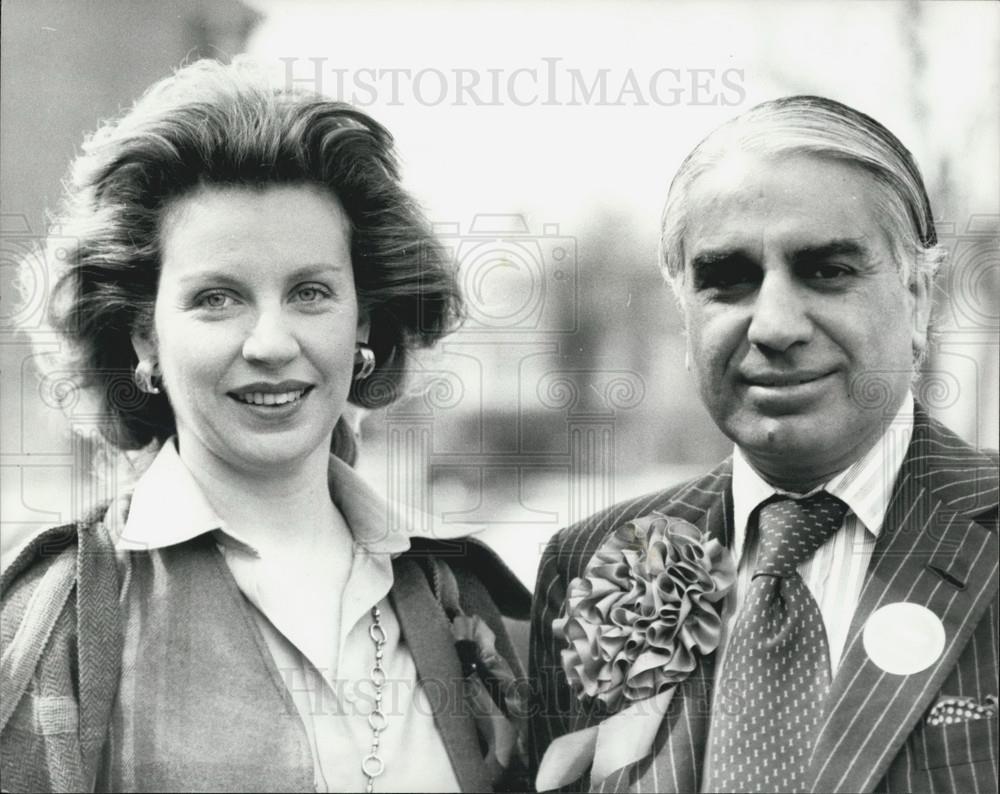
{"points": [[688, 500], [961, 475], [937, 438]]}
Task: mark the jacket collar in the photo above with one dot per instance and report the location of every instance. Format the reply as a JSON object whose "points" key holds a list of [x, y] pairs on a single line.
{"points": [[428, 634], [929, 539], [932, 552], [675, 764], [865, 486], [168, 507]]}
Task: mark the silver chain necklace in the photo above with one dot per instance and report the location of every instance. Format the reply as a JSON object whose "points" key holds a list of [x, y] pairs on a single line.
{"points": [[372, 765]]}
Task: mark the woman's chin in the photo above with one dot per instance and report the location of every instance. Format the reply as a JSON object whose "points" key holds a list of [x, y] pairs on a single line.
{"points": [[271, 453]]}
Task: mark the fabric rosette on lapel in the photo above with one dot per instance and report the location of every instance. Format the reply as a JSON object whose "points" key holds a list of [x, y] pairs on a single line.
{"points": [[635, 625], [497, 699]]}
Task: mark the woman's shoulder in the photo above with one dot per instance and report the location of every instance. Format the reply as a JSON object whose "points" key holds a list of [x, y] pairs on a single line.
{"points": [[51, 547], [467, 578], [476, 566], [44, 557], [61, 641], [36, 583]]}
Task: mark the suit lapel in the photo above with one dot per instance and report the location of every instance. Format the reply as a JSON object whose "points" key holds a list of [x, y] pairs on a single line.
{"points": [[679, 749], [428, 636], [930, 552]]}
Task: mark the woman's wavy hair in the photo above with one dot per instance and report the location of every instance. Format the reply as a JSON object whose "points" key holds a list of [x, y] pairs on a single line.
{"points": [[220, 125]]}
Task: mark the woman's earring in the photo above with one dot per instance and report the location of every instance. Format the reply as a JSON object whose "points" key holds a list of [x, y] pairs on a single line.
{"points": [[147, 376], [364, 361]]}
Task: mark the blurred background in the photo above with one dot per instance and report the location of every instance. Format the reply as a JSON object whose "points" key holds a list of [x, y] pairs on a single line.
{"points": [[541, 138]]}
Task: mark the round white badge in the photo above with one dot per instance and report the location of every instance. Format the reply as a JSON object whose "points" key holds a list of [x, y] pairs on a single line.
{"points": [[904, 638]]}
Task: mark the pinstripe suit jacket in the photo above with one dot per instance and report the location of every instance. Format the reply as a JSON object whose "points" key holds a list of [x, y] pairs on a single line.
{"points": [[938, 548]]}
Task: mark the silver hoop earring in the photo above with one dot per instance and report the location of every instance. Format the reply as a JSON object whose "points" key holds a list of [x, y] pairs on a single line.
{"points": [[364, 361], [147, 376]]}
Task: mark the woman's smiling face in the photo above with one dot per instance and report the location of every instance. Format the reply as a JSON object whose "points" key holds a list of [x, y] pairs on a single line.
{"points": [[255, 323]]}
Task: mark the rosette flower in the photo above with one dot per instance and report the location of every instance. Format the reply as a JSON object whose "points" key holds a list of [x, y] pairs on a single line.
{"points": [[497, 700], [644, 610]]}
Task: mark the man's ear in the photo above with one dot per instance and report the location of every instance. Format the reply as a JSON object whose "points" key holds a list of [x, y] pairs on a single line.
{"points": [[920, 308]]}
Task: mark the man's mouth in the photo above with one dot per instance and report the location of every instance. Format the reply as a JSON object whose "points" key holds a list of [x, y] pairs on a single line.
{"points": [[783, 379]]}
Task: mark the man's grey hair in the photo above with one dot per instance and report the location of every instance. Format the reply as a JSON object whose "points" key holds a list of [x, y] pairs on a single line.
{"points": [[824, 128]]}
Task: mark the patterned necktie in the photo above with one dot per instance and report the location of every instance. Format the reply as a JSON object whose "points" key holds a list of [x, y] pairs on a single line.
{"points": [[777, 667]]}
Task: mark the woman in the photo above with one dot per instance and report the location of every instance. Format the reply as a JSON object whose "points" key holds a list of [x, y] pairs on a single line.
{"points": [[249, 618]]}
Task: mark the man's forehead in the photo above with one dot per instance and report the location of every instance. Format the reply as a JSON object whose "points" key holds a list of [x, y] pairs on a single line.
{"points": [[737, 170], [802, 201]]}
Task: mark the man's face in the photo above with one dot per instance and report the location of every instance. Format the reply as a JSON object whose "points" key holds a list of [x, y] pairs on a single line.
{"points": [[796, 313]]}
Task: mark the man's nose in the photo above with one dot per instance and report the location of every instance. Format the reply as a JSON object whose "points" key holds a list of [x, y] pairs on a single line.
{"points": [[780, 318], [271, 341]]}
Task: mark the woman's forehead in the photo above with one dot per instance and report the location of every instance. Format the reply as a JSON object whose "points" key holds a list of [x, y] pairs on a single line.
{"points": [[291, 227]]}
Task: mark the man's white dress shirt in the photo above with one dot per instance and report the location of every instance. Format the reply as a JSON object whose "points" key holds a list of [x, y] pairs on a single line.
{"points": [[835, 574]]}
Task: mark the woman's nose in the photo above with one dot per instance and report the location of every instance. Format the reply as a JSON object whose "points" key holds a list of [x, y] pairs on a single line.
{"points": [[780, 319], [271, 341]]}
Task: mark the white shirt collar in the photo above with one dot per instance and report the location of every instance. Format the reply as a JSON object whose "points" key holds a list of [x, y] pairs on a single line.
{"points": [[865, 486], [168, 507], [286, 586]]}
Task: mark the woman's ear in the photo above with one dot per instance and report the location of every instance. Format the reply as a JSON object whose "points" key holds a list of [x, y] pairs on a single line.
{"points": [[143, 345], [364, 327]]}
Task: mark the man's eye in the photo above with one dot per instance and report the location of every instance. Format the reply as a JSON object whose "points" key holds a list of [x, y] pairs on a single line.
{"points": [[728, 276], [825, 272], [724, 280]]}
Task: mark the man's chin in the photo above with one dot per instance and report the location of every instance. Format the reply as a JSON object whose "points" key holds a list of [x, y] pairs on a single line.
{"points": [[803, 449], [793, 445]]}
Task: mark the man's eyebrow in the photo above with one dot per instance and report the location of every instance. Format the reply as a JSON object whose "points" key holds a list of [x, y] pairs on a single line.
{"points": [[709, 259], [807, 254], [818, 253]]}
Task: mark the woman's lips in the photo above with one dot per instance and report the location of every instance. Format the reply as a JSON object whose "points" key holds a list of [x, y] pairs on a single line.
{"points": [[271, 404], [270, 398]]}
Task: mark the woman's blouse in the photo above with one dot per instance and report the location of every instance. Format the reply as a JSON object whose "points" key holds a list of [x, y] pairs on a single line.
{"points": [[324, 656]]}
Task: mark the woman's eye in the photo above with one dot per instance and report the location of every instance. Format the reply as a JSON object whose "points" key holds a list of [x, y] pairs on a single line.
{"points": [[214, 300], [311, 293]]}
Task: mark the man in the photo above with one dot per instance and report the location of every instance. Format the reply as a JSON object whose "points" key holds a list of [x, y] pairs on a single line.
{"points": [[858, 645]]}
